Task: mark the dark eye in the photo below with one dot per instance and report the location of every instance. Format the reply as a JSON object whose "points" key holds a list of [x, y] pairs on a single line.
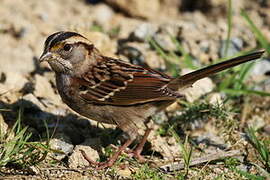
{"points": [[67, 47]]}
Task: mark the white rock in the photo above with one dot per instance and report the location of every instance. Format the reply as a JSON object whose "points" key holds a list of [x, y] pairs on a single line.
{"points": [[63, 145], [199, 88], [169, 149], [77, 160], [103, 14], [44, 89], [15, 81], [125, 173], [102, 42], [144, 30], [215, 98], [34, 100], [138, 8], [261, 67]]}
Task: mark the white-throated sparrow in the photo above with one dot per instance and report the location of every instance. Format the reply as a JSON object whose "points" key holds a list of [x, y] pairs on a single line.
{"points": [[112, 91]]}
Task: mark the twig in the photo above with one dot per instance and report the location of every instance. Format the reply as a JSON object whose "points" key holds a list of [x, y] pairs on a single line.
{"points": [[197, 161]]}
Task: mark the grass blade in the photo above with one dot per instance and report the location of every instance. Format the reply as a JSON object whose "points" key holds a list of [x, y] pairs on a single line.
{"points": [[258, 34], [229, 22]]}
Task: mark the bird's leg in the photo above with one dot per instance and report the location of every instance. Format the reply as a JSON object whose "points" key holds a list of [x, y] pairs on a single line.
{"points": [[111, 161], [136, 153]]}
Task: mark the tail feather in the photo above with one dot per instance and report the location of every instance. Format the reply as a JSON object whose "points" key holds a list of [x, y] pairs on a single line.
{"points": [[188, 79]]}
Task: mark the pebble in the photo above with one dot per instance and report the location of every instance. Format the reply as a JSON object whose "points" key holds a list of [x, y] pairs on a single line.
{"points": [[261, 67], [14, 80], [266, 129], [168, 149], [215, 98], [257, 122], [43, 89], [31, 101], [125, 173], [198, 89], [63, 144], [235, 45], [164, 41], [77, 160], [160, 117], [143, 31], [134, 55], [137, 8], [102, 42], [103, 14]]}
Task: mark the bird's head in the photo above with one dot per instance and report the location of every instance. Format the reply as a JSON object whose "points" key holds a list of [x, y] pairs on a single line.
{"points": [[68, 52]]}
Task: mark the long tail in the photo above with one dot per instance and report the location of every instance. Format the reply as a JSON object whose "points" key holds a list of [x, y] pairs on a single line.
{"points": [[188, 79]]}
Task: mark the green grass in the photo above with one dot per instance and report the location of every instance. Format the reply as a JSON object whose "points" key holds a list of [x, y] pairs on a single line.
{"points": [[232, 163], [16, 150], [113, 32], [229, 23], [186, 151], [262, 148], [172, 60], [258, 34], [233, 80], [234, 83], [145, 172], [199, 111]]}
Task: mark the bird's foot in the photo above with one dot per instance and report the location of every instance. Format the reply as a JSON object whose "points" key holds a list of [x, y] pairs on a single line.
{"points": [[111, 161], [137, 155]]}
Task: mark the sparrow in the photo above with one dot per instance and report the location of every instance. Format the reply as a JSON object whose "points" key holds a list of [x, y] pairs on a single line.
{"points": [[112, 91]]}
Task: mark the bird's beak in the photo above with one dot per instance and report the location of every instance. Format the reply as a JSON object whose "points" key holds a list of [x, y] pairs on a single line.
{"points": [[46, 57]]}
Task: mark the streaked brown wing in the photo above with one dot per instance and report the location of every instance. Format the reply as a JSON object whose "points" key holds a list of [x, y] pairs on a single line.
{"points": [[116, 82]]}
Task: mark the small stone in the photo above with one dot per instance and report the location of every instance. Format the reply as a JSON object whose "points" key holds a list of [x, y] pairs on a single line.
{"points": [[155, 61], [143, 31], [204, 46], [134, 55], [77, 160], [103, 14], [235, 45], [267, 129], [44, 89], [62, 144], [34, 100], [198, 89], [34, 170], [15, 81], [264, 84], [125, 173], [243, 167], [215, 98], [102, 42], [164, 41], [211, 139], [160, 117], [137, 8], [261, 67], [257, 122], [161, 144], [173, 107], [17, 56], [3, 126]]}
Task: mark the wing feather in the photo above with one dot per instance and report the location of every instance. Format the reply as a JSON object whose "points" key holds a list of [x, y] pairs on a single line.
{"points": [[119, 83]]}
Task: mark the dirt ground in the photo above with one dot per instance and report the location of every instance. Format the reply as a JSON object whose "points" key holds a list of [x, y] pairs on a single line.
{"points": [[130, 30]]}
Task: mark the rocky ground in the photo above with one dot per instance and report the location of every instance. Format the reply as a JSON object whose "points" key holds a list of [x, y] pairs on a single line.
{"points": [[130, 30]]}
